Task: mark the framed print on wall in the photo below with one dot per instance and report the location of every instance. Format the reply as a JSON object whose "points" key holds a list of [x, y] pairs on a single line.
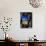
{"points": [[26, 19]]}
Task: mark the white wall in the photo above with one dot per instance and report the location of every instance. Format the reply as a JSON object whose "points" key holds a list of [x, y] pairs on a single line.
{"points": [[12, 8]]}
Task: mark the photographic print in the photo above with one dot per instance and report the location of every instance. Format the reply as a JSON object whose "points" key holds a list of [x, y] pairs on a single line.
{"points": [[26, 19]]}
